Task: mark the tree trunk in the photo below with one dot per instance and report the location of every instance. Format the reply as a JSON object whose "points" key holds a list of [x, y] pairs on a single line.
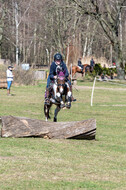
{"points": [[25, 127], [17, 33], [119, 62]]}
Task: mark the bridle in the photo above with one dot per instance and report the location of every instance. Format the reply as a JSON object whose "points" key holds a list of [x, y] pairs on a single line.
{"points": [[61, 79]]}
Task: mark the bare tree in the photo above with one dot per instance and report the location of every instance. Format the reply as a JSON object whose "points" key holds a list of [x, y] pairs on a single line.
{"points": [[107, 14], [38, 29], [2, 15]]}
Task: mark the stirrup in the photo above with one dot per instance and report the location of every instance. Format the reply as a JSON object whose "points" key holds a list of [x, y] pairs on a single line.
{"points": [[47, 101]]}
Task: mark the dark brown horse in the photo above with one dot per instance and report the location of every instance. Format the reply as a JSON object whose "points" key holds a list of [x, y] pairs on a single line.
{"points": [[77, 69], [59, 95]]}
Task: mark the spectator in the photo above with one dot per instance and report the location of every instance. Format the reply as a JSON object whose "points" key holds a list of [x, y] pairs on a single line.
{"points": [[9, 79]]}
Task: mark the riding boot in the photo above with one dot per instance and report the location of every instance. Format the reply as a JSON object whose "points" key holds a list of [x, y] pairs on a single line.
{"points": [[72, 98], [47, 100]]}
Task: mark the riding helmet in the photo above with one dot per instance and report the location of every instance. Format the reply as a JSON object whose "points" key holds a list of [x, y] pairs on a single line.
{"points": [[58, 56]]}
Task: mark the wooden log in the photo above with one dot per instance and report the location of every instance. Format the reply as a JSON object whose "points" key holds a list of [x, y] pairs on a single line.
{"points": [[24, 127], [3, 83], [3, 80]]}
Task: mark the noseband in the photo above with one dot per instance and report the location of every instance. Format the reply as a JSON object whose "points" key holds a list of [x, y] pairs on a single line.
{"points": [[62, 79]]}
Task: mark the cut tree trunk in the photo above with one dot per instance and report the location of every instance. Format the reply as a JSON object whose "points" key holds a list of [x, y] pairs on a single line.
{"points": [[3, 83], [24, 127]]}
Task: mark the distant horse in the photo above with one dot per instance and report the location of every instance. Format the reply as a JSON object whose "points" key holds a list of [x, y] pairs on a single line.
{"points": [[77, 69], [59, 95]]}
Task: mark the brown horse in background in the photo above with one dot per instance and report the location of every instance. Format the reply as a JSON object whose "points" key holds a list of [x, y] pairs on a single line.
{"points": [[76, 69]]}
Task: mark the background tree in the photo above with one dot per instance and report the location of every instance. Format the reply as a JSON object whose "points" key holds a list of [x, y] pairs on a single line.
{"points": [[73, 27], [107, 14]]}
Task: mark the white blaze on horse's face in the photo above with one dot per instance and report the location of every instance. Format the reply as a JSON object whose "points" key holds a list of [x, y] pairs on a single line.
{"points": [[55, 88]]}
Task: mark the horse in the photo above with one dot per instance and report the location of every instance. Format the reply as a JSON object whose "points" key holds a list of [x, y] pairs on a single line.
{"points": [[77, 69], [60, 95]]}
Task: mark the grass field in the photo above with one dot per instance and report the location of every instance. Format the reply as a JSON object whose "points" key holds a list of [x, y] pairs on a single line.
{"points": [[35, 163]]}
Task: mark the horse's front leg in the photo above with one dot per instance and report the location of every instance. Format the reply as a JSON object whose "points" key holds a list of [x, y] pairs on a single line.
{"points": [[46, 112], [58, 96], [56, 112], [62, 105]]}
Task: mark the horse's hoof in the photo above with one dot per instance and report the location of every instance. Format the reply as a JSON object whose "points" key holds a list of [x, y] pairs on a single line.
{"points": [[68, 105], [55, 119], [62, 105]]}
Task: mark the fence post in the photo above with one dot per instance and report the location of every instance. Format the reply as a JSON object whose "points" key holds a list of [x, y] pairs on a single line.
{"points": [[93, 92]]}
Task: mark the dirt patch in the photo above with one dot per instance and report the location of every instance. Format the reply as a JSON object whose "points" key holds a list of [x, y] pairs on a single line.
{"points": [[99, 88]]}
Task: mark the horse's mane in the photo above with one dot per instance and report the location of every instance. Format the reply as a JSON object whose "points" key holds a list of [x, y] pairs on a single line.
{"points": [[61, 74]]}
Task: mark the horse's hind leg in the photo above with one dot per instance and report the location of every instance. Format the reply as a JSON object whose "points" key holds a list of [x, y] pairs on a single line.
{"points": [[56, 112]]}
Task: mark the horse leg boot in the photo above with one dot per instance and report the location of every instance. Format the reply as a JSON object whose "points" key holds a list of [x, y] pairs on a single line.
{"points": [[72, 98], [68, 105], [47, 100]]}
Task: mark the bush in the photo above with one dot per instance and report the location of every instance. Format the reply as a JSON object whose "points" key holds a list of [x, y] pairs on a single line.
{"points": [[98, 69], [23, 77], [3, 69], [106, 71]]}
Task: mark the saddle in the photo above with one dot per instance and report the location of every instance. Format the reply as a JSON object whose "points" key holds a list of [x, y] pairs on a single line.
{"points": [[80, 68]]}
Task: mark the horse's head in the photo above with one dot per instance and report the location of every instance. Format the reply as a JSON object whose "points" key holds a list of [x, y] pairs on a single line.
{"points": [[61, 81]]}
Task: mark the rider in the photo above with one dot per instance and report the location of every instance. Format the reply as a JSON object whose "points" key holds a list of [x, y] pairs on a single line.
{"points": [[58, 62], [92, 64], [80, 64]]}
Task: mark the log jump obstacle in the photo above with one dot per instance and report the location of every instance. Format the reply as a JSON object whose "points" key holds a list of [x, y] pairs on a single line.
{"points": [[11, 126], [3, 83]]}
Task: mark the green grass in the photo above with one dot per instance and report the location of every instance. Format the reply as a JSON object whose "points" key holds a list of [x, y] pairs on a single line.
{"points": [[36, 163]]}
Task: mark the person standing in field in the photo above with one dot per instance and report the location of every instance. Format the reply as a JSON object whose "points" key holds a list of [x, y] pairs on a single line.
{"points": [[9, 79]]}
